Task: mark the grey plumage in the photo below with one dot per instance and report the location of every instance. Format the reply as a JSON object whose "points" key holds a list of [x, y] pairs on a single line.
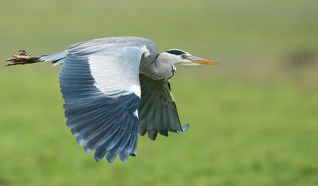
{"points": [[157, 110], [114, 88]]}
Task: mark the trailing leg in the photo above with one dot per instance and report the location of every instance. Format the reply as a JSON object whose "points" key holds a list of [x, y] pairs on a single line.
{"points": [[22, 58]]}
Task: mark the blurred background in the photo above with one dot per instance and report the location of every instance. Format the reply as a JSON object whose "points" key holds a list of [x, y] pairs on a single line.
{"points": [[253, 119]]}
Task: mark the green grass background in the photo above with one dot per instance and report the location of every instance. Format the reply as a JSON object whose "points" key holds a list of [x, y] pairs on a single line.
{"points": [[253, 119]]}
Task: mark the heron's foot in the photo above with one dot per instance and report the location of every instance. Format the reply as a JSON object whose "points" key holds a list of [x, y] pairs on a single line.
{"points": [[22, 58]]}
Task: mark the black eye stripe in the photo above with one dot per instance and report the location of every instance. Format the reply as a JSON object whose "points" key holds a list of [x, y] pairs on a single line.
{"points": [[175, 52]]}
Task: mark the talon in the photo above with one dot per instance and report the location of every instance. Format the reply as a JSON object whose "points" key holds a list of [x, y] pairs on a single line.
{"points": [[22, 58], [23, 53]]}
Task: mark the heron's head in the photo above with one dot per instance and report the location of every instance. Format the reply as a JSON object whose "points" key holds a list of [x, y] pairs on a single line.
{"points": [[177, 56]]}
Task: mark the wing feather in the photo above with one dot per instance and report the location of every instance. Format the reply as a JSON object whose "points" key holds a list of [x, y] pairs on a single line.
{"points": [[157, 110], [101, 91]]}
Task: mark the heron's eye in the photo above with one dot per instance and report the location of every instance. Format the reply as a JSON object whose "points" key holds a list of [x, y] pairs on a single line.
{"points": [[183, 56]]}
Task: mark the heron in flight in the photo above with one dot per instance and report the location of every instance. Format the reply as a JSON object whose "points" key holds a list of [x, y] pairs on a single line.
{"points": [[115, 88]]}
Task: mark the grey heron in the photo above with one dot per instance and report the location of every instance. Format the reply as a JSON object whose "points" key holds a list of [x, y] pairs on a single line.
{"points": [[115, 88]]}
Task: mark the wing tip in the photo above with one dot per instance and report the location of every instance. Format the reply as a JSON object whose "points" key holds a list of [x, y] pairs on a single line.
{"points": [[164, 132], [152, 134], [185, 127]]}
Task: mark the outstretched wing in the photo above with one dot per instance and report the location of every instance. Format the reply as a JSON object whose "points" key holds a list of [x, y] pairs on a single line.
{"points": [[157, 110], [101, 90]]}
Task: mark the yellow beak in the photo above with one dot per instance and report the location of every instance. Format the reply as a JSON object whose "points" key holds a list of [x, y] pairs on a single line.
{"points": [[199, 60]]}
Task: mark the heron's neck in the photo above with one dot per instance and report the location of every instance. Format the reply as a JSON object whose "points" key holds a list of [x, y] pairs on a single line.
{"points": [[159, 69]]}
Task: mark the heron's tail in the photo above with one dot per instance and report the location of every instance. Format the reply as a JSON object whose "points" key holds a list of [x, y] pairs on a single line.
{"points": [[24, 58], [56, 59]]}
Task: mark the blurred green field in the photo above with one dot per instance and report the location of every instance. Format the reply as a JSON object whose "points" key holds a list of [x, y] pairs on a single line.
{"points": [[253, 119]]}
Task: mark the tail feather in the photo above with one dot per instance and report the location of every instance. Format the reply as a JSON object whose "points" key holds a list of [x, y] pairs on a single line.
{"points": [[56, 59]]}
